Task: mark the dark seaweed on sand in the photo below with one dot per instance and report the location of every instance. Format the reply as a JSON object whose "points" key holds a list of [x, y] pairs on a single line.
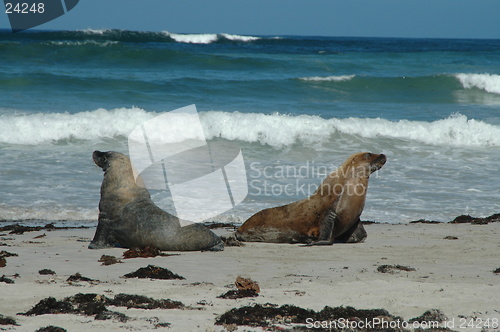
{"points": [[393, 268], [146, 252], [144, 302], [78, 277], [106, 314], [6, 280], [51, 328], [477, 221], [109, 260], [432, 315], [50, 305], [20, 229], [92, 304], [45, 272], [3, 254], [261, 315], [267, 315], [5, 320], [153, 272], [238, 294]]}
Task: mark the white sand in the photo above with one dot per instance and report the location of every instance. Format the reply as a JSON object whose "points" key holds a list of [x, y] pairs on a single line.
{"points": [[455, 276]]}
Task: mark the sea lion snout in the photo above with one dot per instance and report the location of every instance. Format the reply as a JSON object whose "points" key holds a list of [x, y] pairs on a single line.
{"points": [[381, 159], [378, 162]]}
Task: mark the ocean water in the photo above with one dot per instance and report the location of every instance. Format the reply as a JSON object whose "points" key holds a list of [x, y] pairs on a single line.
{"points": [[297, 106]]}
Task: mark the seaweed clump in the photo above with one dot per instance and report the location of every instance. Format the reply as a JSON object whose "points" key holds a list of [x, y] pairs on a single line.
{"points": [[144, 302], [51, 328], [153, 272], [269, 315], [393, 268], [3, 254], [476, 221], [91, 304], [5, 320]]}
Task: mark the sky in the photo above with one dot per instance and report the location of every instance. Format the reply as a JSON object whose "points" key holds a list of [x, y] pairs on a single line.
{"points": [[338, 18]]}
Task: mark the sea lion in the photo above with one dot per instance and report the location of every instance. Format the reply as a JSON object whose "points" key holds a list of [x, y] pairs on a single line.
{"points": [[329, 215], [129, 218]]}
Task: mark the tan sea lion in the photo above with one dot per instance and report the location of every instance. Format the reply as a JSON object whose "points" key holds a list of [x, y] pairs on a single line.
{"points": [[329, 215], [129, 218]]}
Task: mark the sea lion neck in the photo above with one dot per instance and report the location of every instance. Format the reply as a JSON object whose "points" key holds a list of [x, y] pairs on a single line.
{"points": [[119, 179]]}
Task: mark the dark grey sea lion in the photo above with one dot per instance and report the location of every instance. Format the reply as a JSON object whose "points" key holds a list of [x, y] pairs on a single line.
{"points": [[330, 215], [129, 218]]}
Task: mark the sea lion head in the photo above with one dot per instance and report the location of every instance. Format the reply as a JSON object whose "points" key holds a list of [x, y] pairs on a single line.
{"points": [[101, 159], [363, 164], [105, 159], [376, 161], [117, 168]]}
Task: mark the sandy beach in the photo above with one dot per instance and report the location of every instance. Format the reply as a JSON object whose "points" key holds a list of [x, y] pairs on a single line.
{"points": [[406, 269]]}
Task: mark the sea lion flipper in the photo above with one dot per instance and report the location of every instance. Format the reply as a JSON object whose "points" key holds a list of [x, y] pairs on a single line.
{"points": [[355, 234], [326, 229]]}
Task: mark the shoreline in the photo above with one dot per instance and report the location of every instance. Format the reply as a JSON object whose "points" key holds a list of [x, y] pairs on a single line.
{"points": [[450, 268]]}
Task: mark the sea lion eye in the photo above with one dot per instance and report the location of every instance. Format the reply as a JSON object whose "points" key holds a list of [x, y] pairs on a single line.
{"points": [[368, 155]]}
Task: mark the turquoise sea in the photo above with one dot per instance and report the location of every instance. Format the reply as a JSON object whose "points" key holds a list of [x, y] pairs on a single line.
{"points": [[297, 105]]}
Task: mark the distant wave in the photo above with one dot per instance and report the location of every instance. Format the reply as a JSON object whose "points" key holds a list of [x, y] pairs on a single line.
{"points": [[276, 130], [487, 82], [81, 43], [239, 38], [204, 38], [96, 31], [194, 38], [339, 78], [323, 45]]}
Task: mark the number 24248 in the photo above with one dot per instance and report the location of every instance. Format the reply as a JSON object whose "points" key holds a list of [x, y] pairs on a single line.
{"points": [[24, 8]]}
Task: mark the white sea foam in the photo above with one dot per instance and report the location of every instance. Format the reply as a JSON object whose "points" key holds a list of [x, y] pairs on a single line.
{"points": [[80, 43], [96, 31], [283, 130], [239, 38], [339, 78], [206, 38], [487, 82], [202, 38], [43, 128], [276, 130]]}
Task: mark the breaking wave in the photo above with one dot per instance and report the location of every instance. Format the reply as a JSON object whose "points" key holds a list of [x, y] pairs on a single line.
{"points": [[275, 130], [487, 82]]}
